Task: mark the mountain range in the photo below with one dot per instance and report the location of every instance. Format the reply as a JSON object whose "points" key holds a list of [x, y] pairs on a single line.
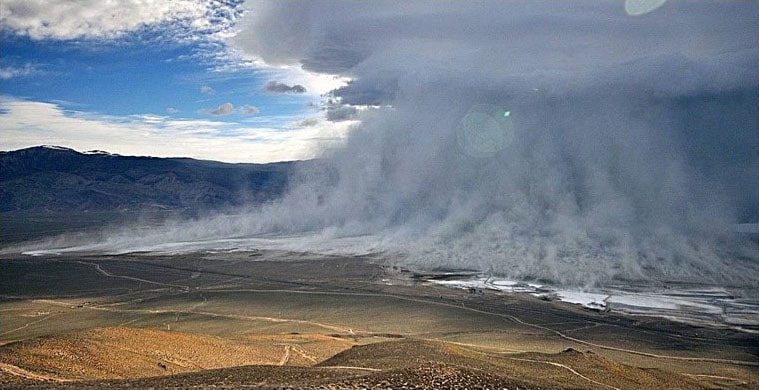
{"points": [[58, 179], [51, 190]]}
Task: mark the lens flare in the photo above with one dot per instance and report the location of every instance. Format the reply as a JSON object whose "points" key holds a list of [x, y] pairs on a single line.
{"points": [[484, 131], [642, 7]]}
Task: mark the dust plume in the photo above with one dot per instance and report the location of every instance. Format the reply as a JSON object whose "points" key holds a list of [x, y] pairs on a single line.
{"points": [[560, 141]]}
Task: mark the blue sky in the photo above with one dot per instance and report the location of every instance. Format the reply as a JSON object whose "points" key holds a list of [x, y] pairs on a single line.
{"points": [[90, 75]]}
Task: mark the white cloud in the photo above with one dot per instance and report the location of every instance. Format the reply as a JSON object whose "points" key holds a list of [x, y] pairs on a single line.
{"points": [[78, 19], [172, 110], [29, 123], [206, 90], [8, 72], [315, 84]]}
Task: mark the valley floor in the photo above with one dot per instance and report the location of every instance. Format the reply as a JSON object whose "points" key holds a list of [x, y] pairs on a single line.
{"points": [[274, 319]]}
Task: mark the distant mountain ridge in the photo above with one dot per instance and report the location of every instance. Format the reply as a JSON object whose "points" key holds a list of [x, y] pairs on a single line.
{"points": [[58, 179]]}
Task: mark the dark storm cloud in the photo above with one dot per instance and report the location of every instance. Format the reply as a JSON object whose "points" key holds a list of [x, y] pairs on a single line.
{"points": [[368, 91], [540, 139], [308, 122], [341, 113], [349, 37], [273, 86]]}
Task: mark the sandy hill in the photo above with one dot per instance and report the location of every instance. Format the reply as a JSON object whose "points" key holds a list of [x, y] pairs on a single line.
{"points": [[121, 352], [130, 357]]}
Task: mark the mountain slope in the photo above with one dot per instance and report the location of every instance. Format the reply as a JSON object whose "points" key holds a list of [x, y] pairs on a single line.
{"points": [[56, 179]]}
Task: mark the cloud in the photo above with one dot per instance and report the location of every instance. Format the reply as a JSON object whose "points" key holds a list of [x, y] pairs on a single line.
{"points": [[308, 122], [8, 72], [224, 109], [277, 87], [321, 39], [229, 108], [171, 110], [339, 113], [94, 19], [29, 123], [206, 90], [249, 110], [629, 144]]}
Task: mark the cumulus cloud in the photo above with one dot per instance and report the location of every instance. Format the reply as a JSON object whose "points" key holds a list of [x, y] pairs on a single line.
{"points": [[224, 109], [229, 108], [172, 110], [95, 19], [277, 87], [206, 90], [249, 110], [564, 141]]}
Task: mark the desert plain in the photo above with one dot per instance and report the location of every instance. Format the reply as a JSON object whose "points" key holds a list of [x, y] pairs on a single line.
{"points": [[277, 319]]}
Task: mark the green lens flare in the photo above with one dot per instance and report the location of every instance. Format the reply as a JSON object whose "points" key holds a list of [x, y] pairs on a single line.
{"points": [[642, 7], [485, 130]]}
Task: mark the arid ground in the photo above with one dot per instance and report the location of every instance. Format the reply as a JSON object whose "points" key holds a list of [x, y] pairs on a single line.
{"points": [[269, 319]]}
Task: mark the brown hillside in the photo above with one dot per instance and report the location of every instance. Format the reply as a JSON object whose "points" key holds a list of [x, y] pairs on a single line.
{"points": [[109, 353]]}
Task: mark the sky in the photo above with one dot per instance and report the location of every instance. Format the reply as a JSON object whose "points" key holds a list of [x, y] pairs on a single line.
{"points": [[153, 78]]}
